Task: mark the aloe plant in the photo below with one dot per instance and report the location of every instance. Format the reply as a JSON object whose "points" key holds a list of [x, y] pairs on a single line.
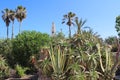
{"points": [[93, 74], [78, 71]]}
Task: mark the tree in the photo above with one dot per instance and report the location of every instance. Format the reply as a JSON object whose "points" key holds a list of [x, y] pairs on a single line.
{"points": [[79, 24], [6, 19], [12, 18], [111, 40], [117, 26], [69, 17], [20, 15]]}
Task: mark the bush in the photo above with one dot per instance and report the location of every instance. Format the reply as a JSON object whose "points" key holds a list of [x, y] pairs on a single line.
{"points": [[26, 44], [5, 47], [6, 50], [3, 67], [20, 70]]}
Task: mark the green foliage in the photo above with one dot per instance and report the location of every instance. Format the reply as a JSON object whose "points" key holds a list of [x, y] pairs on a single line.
{"points": [[45, 66], [58, 39], [80, 23], [87, 62], [3, 67], [87, 39], [20, 70], [58, 59], [6, 19], [20, 15], [78, 70], [6, 50], [112, 41], [107, 63], [96, 61], [60, 36], [5, 47], [117, 26], [27, 44]]}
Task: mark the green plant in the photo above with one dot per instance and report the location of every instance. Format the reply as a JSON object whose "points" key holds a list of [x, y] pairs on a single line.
{"points": [[112, 41], [87, 63], [58, 59], [3, 67], [5, 47], [69, 17], [79, 24], [20, 70], [107, 65], [93, 74], [12, 18], [44, 66], [6, 19], [6, 51], [20, 15], [78, 71], [117, 26], [26, 44]]}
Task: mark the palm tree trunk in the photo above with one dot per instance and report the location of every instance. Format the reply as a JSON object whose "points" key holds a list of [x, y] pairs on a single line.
{"points": [[79, 31], [20, 27], [7, 31], [12, 29], [69, 32]]}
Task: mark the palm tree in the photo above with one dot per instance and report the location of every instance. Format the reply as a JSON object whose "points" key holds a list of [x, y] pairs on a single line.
{"points": [[6, 19], [79, 24], [12, 18], [69, 17], [20, 14]]}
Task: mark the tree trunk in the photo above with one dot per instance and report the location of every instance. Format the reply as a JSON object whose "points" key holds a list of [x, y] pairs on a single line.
{"points": [[12, 29], [69, 31], [20, 27], [7, 31]]}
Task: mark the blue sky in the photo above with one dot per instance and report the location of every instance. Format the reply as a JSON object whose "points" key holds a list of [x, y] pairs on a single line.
{"points": [[100, 15]]}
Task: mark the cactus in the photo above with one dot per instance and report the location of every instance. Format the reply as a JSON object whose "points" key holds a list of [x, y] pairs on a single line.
{"points": [[107, 67]]}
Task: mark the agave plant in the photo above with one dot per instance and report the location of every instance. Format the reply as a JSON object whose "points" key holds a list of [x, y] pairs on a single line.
{"points": [[78, 71], [58, 59]]}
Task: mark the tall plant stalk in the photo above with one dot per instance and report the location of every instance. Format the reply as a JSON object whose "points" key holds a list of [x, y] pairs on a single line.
{"points": [[108, 65]]}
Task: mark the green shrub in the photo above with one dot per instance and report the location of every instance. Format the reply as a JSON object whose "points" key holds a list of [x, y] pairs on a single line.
{"points": [[20, 70], [5, 47], [6, 50], [3, 67], [27, 44]]}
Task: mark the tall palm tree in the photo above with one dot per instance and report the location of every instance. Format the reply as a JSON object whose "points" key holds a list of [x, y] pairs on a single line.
{"points": [[6, 19], [79, 24], [20, 15], [12, 18], [69, 17]]}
